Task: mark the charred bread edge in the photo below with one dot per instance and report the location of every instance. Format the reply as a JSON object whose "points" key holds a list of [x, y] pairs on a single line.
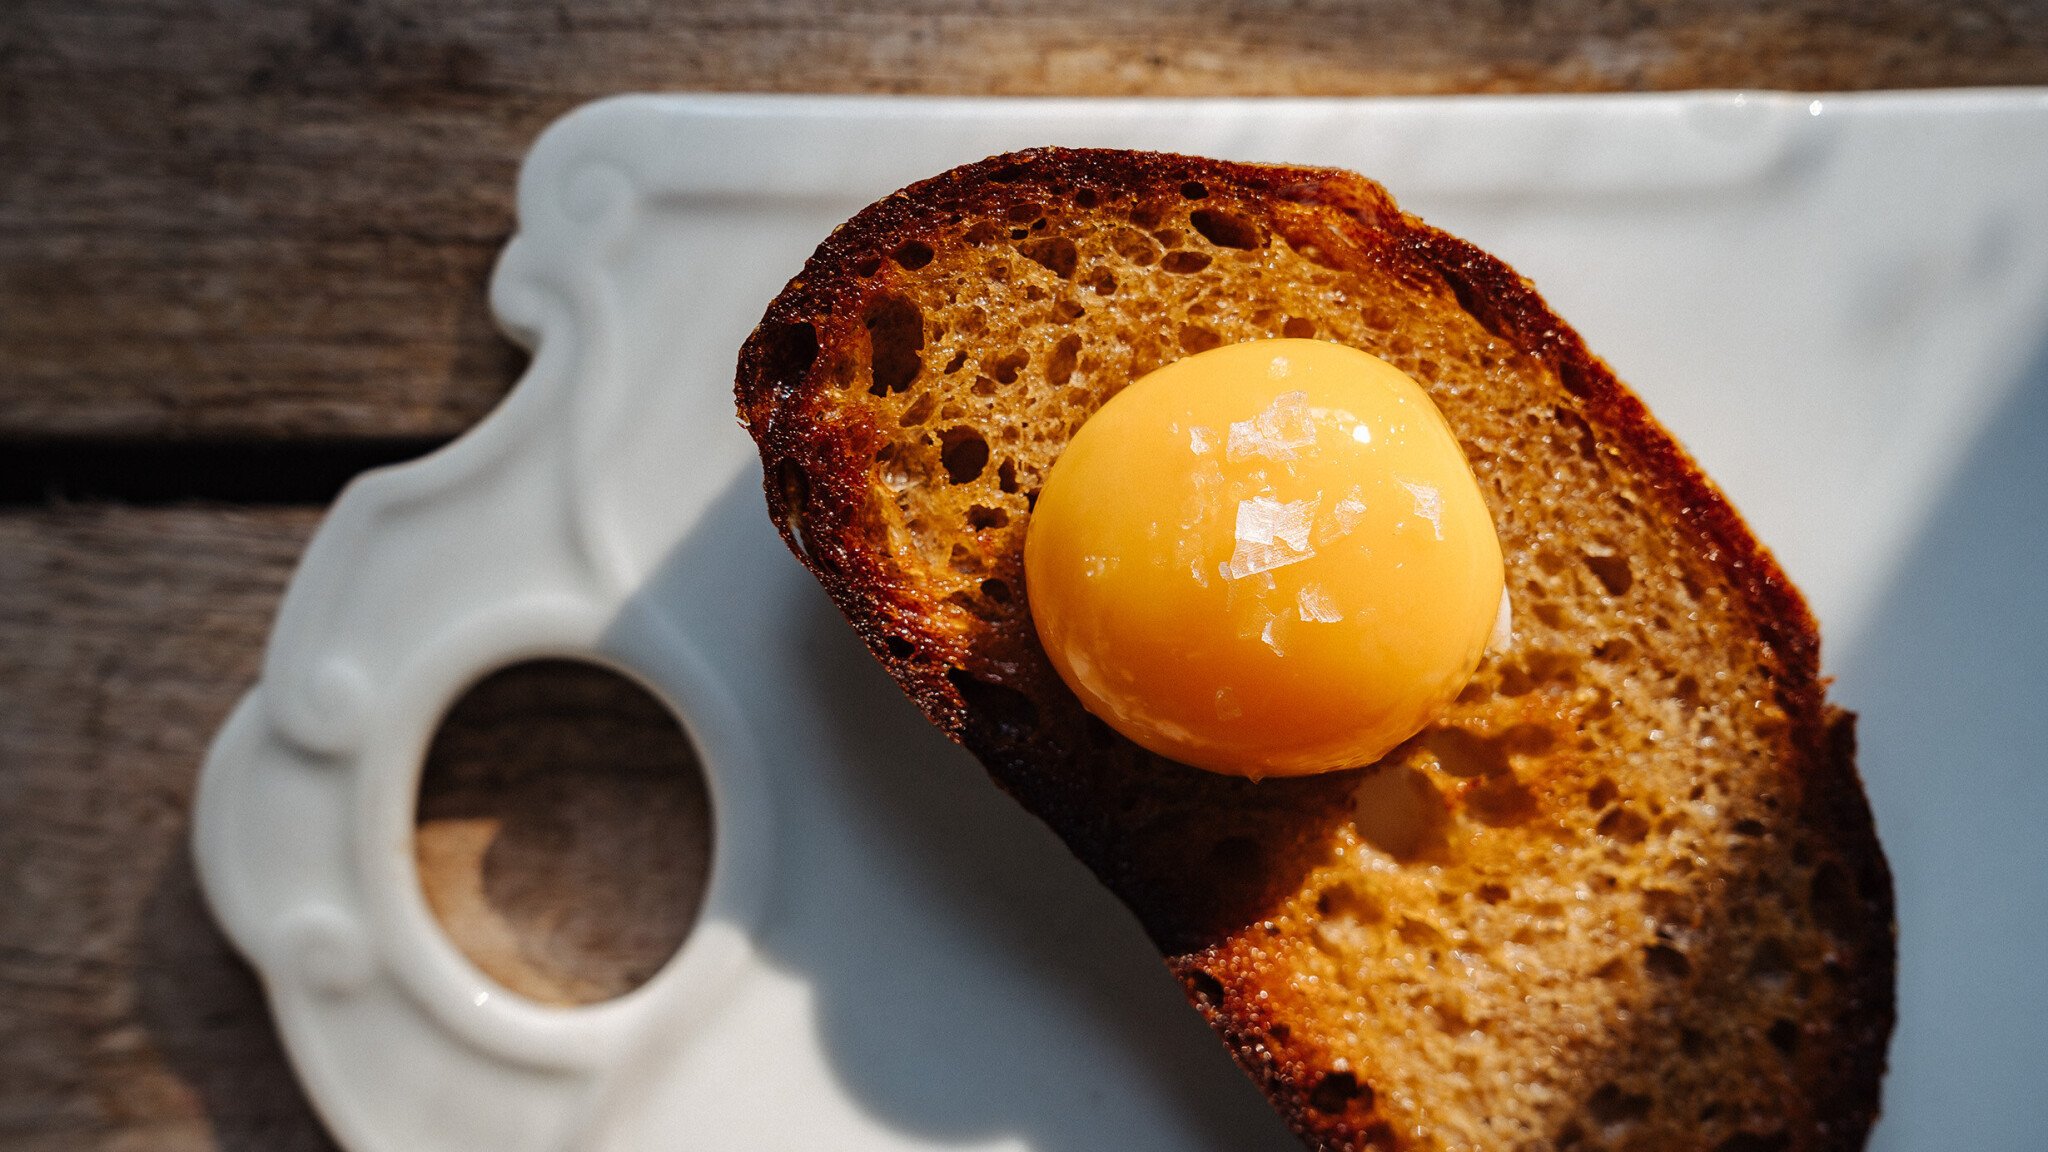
{"points": [[816, 474]]}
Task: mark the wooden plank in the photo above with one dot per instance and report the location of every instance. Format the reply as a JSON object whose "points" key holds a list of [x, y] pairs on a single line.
{"points": [[228, 218], [558, 840], [125, 1020]]}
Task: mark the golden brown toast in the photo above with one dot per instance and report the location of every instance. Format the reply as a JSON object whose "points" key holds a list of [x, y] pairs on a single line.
{"points": [[1625, 895]]}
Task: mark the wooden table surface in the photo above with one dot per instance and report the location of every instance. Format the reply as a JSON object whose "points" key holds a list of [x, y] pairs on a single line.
{"points": [[243, 250]]}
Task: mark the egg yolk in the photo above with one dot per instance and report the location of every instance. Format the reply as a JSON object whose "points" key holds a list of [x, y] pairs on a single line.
{"points": [[1265, 559]]}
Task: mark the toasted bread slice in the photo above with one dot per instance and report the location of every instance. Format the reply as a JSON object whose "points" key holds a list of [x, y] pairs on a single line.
{"points": [[1626, 894]]}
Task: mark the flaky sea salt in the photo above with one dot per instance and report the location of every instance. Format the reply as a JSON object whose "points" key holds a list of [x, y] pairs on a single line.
{"points": [[1503, 626], [1285, 426], [1349, 511], [1270, 534], [1316, 606], [1429, 504]]}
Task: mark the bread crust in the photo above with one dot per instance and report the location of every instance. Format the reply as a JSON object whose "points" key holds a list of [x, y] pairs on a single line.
{"points": [[999, 699]]}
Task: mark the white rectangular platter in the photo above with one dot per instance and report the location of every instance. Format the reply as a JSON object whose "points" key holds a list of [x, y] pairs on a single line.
{"points": [[1839, 303]]}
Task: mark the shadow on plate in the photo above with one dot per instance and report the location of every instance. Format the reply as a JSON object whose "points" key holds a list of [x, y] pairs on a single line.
{"points": [[967, 971], [1948, 683]]}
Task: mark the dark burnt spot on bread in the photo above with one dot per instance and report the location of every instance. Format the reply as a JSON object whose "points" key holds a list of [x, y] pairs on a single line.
{"points": [[1226, 229], [787, 352], [1611, 569], [1755, 1142], [1666, 962], [1010, 715], [1336, 1091], [912, 255], [965, 455], [1056, 254], [895, 328]]}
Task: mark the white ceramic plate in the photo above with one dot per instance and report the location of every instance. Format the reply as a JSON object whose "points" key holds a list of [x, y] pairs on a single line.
{"points": [[1840, 303]]}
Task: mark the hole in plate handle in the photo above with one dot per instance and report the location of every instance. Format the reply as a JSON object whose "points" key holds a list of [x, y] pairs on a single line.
{"points": [[563, 831]]}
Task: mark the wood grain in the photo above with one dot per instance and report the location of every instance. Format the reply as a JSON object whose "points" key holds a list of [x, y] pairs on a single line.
{"points": [[563, 831], [125, 1020], [227, 218]]}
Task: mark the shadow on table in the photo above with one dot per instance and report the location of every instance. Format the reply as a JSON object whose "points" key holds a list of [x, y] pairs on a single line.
{"points": [[206, 1015], [1948, 681]]}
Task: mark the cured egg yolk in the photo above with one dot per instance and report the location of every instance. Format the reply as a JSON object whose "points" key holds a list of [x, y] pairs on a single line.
{"points": [[1266, 559]]}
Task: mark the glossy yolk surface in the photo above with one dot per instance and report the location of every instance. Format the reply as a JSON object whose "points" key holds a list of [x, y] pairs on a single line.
{"points": [[1266, 559]]}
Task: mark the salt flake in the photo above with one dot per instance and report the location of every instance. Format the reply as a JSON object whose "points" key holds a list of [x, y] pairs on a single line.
{"points": [[1316, 606], [1349, 511], [1266, 637], [1344, 518], [1429, 504], [1503, 626], [1284, 426], [1270, 534]]}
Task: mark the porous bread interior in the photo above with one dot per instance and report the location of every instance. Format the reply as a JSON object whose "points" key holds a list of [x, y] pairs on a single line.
{"points": [[1572, 914]]}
